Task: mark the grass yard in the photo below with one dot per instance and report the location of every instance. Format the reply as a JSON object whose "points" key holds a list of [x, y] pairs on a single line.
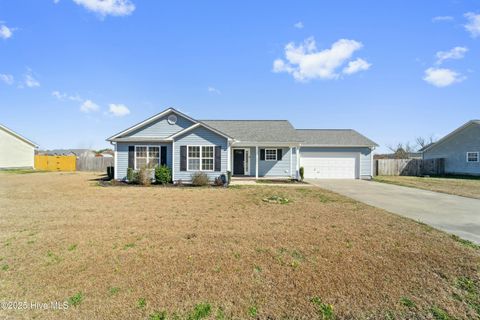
{"points": [[460, 186], [193, 253]]}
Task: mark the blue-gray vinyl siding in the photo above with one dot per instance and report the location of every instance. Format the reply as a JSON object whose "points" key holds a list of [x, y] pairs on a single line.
{"points": [[199, 136], [122, 156], [365, 158], [161, 128], [279, 168], [455, 149]]}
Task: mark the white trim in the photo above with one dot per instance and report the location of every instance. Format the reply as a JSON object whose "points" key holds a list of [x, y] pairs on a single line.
{"points": [[196, 125], [276, 154], [201, 158], [335, 146], [229, 157], [451, 134], [13, 133], [148, 149], [371, 163], [256, 162], [115, 162], [473, 152], [173, 160], [151, 119], [298, 162], [246, 155], [291, 162]]}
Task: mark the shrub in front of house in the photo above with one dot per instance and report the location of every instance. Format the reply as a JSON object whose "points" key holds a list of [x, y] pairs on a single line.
{"points": [[132, 176], [144, 177], [200, 179], [302, 172], [163, 174]]}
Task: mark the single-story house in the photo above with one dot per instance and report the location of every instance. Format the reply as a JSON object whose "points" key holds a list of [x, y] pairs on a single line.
{"points": [[460, 149], [246, 148], [16, 151]]}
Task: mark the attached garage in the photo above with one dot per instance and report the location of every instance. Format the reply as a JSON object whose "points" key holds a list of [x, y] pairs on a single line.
{"points": [[335, 154], [330, 165], [16, 151]]}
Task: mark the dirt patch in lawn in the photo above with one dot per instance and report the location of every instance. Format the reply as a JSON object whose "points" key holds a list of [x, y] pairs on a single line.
{"points": [[120, 253], [466, 187]]}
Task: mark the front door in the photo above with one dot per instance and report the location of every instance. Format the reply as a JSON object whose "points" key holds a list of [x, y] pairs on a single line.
{"points": [[238, 162]]}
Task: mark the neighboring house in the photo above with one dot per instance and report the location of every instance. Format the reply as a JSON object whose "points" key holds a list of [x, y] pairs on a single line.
{"points": [[16, 151], [68, 152], [252, 148], [407, 155], [460, 149]]}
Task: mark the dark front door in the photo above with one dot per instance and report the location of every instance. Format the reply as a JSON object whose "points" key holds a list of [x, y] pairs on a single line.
{"points": [[239, 162]]}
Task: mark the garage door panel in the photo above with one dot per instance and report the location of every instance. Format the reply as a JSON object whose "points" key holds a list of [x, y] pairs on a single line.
{"points": [[318, 165]]}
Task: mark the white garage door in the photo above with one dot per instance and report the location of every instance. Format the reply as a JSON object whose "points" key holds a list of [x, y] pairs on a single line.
{"points": [[322, 165]]}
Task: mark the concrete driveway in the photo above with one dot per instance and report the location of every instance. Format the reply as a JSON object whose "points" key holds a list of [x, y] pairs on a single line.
{"points": [[453, 214]]}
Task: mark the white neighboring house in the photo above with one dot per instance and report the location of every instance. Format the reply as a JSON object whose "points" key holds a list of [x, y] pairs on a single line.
{"points": [[16, 151]]}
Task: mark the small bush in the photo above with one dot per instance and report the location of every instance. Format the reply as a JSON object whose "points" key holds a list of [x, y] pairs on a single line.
{"points": [[200, 179], [131, 175], [144, 177], [301, 172], [163, 174]]}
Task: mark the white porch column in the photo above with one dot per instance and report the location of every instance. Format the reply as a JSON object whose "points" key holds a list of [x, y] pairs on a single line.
{"points": [[298, 162], [291, 162], [229, 159], [256, 162]]}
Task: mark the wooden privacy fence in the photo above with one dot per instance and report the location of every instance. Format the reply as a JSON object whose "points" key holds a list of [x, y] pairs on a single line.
{"points": [[55, 163], [409, 167], [89, 163]]}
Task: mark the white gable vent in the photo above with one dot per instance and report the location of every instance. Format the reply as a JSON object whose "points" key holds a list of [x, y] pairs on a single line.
{"points": [[172, 119]]}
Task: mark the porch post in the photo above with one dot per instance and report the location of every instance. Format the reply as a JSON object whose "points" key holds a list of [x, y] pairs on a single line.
{"points": [[297, 148], [229, 159], [256, 162], [291, 162]]}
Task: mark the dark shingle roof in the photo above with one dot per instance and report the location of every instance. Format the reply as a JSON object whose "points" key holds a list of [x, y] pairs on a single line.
{"points": [[333, 137], [256, 130]]}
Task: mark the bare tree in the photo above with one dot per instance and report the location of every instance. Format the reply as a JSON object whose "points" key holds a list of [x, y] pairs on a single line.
{"points": [[422, 142], [401, 150]]}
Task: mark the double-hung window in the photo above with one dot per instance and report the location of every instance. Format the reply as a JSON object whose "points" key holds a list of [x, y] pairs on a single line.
{"points": [[271, 154], [147, 157], [201, 158], [472, 157]]}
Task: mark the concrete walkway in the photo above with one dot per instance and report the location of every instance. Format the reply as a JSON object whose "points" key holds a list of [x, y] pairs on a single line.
{"points": [[453, 214]]}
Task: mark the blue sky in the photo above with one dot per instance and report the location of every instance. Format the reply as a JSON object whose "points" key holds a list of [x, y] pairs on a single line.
{"points": [[73, 72]]}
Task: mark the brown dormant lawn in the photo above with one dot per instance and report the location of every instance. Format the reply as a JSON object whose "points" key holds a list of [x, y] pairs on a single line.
{"points": [[139, 253], [466, 187]]}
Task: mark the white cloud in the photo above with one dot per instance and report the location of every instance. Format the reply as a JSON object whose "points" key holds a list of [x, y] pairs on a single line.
{"points": [[89, 106], [5, 32], [441, 77], [298, 25], [6, 78], [118, 110], [356, 66], [214, 90], [64, 96], [473, 25], [304, 62], [108, 7], [56, 1], [29, 80], [442, 19], [454, 53]]}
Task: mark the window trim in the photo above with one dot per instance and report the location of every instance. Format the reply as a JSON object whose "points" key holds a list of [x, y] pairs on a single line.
{"points": [[276, 154], [474, 152], [201, 158], [148, 146]]}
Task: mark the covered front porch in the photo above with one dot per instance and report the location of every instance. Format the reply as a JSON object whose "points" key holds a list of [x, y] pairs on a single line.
{"points": [[269, 162]]}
